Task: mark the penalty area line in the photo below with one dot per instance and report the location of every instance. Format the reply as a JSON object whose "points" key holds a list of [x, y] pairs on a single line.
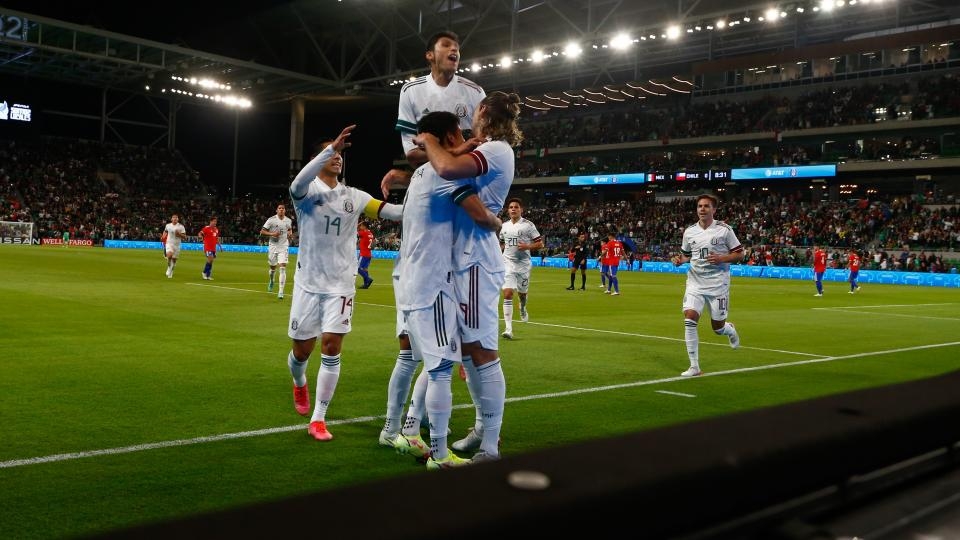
{"points": [[283, 429]]}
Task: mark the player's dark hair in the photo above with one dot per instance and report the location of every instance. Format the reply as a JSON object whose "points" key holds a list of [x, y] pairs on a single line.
{"points": [[713, 199], [439, 124], [516, 200], [432, 42], [499, 118]]}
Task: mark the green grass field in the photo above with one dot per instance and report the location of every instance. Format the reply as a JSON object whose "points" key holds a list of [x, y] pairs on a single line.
{"points": [[126, 397]]}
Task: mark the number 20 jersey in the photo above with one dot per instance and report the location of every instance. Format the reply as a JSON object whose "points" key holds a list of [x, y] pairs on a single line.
{"points": [[327, 258]]}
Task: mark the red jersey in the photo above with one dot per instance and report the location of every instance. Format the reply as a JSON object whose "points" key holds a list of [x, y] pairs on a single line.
{"points": [[854, 262], [612, 251], [365, 242], [820, 261], [210, 235]]}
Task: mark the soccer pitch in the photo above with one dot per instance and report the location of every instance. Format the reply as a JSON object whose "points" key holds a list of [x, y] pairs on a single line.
{"points": [[126, 397]]}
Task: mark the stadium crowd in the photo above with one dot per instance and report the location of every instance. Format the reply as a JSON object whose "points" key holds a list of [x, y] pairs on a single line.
{"points": [[107, 190]]}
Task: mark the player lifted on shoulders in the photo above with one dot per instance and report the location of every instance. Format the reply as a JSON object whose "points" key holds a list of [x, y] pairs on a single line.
{"points": [[324, 285], [518, 236], [710, 246], [279, 229]]}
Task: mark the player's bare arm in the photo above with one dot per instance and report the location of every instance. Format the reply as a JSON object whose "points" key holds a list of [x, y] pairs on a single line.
{"points": [[447, 165], [480, 214], [395, 178]]}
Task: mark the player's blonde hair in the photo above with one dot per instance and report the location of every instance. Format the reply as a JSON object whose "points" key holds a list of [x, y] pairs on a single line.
{"points": [[499, 118]]}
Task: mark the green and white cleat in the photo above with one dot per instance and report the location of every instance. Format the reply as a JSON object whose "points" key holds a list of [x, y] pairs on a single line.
{"points": [[386, 439], [413, 445], [449, 462]]}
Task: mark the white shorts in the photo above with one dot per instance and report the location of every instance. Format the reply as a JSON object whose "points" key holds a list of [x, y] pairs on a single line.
{"points": [[172, 251], [518, 281], [718, 304], [434, 332], [478, 294], [312, 314], [277, 255]]}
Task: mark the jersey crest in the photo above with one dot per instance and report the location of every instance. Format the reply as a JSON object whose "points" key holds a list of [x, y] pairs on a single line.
{"points": [[348, 206], [461, 110]]}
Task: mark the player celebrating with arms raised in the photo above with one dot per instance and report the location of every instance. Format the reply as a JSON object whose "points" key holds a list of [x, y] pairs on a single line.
{"points": [[710, 246], [324, 285]]}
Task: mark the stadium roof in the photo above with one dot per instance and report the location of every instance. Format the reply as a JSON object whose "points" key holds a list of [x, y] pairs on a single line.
{"points": [[326, 50]]}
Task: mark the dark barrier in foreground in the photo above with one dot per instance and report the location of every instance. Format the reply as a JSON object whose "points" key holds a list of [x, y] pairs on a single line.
{"points": [[703, 479]]}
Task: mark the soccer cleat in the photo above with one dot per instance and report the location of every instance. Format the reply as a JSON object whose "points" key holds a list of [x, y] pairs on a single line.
{"points": [[849, 292], [616, 293], [735, 338], [570, 288], [606, 292], [524, 315], [413, 445], [449, 462], [602, 285], [508, 335], [168, 274], [301, 399], [318, 430], [483, 457], [280, 296], [819, 294], [470, 443], [386, 439], [367, 284], [858, 288], [691, 372]]}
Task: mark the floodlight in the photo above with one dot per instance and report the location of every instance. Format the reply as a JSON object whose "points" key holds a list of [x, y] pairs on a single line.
{"points": [[621, 41], [673, 32], [572, 50]]}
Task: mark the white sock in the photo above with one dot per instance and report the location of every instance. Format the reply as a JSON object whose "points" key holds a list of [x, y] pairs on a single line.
{"points": [[474, 385], [283, 278], [692, 339], [492, 397], [327, 379], [439, 406], [271, 272], [508, 315], [411, 426], [297, 369], [398, 388], [169, 264]]}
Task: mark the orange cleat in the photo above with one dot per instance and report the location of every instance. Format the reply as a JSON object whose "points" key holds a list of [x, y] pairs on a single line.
{"points": [[301, 399], [318, 430]]}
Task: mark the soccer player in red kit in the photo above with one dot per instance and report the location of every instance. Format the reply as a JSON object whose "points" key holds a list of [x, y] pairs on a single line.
{"points": [[211, 239], [854, 262], [819, 267], [610, 259], [364, 242]]}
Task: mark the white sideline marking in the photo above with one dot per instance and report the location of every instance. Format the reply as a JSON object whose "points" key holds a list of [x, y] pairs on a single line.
{"points": [[887, 314], [669, 393], [602, 331], [270, 431], [892, 305]]}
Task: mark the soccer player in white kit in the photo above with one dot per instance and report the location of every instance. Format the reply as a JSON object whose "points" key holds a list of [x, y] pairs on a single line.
{"points": [[478, 262], [280, 230], [518, 236], [173, 234], [710, 246], [426, 289], [441, 90], [324, 285]]}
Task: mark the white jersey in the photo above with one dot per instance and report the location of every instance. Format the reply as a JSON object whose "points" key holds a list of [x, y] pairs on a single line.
{"points": [[173, 240], [423, 95], [327, 260], [698, 243], [283, 226], [425, 254], [513, 234], [475, 245]]}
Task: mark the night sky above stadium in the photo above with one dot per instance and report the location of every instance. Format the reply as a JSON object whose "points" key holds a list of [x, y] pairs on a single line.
{"points": [[206, 135]]}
